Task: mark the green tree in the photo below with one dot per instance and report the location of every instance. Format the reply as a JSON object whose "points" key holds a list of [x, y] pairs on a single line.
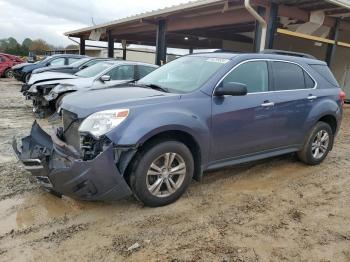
{"points": [[12, 46], [39, 46], [25, 46]]}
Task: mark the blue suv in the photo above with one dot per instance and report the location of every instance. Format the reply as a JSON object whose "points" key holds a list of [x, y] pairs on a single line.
{"points": [[197, 113]]}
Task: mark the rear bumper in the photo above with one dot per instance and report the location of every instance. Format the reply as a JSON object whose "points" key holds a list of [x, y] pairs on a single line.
{"points": [[57, 167]]}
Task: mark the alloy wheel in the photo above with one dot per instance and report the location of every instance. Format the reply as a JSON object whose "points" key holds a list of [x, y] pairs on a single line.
{"points": [[320, 144], [166, 174], [9, 74]]}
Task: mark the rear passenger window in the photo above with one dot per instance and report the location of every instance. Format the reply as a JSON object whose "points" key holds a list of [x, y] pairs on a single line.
{"points": [[71, 60], [58, 62], [145, 70], [287, 76], [254, 74], [124, 72]]}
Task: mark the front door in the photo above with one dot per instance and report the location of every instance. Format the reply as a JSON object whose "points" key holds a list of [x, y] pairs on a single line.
{"points": [[118, 75], [242, 125]]}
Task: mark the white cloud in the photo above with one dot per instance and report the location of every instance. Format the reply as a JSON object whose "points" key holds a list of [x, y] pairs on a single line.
{"points": [[49, 19]]}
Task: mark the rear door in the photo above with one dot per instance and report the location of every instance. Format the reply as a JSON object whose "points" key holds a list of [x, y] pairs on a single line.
{"points": [[293, 97], [243, 125]]}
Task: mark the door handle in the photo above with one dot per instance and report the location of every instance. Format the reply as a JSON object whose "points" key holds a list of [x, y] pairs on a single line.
{"points": [[267, 104], [311, 97]]}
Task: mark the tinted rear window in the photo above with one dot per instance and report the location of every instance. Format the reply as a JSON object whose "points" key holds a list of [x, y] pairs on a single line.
{"points": [[324, 71], [288, 76]]}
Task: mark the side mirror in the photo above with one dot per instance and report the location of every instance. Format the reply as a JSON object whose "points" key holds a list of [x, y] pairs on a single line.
{"points": [[231, 89], [84, 66], [105, 78]]}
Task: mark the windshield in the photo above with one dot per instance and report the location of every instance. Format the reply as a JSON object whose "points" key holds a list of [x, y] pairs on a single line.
{"points": [[94, 70], [79, 62], [185, 74]]}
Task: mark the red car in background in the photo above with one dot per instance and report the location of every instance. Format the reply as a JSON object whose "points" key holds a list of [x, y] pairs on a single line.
{"points": [[6, 63]]}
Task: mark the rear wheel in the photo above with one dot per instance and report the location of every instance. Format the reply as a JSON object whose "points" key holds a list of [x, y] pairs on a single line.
{"points": [[318, 144], [8, 73], [162, 173]]}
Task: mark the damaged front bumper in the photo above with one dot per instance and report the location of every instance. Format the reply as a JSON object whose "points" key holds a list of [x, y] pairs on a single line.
{"points": [[58, 168]]}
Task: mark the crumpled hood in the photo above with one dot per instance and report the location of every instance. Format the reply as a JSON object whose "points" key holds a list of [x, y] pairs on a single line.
{"points": [[49, 76], [85, 103]]}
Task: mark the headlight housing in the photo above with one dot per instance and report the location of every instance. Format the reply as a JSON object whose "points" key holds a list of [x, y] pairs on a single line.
{"points": [[60, 88], [102, 122], [33, 89]]}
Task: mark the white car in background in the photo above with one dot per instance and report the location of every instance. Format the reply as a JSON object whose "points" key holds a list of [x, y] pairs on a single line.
{"points": [[48, 95]]}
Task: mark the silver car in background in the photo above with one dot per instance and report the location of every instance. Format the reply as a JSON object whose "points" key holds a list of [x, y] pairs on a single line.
{"points": [[47, 95]]}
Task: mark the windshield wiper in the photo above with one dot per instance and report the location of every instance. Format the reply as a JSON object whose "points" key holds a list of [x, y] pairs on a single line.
{"points": [[157, 87]]}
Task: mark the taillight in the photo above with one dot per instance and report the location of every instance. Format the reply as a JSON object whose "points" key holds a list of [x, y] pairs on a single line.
{"points": [[342, 97]]}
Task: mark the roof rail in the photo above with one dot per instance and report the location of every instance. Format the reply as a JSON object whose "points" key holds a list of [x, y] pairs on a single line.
{"points": [[283, 52]]}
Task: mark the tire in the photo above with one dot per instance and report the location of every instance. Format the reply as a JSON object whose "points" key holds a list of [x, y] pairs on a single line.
{"points": [[8, 73], [59, 101], [316, 140], [143, 178], [27, 77]]}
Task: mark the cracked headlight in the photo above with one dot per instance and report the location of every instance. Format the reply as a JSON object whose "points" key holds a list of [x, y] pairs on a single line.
{"points": [[102, 122]]}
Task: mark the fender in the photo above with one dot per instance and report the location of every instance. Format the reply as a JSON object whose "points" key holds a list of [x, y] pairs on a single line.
{"points": [[140, 128], [55, 93], [324, 107]]}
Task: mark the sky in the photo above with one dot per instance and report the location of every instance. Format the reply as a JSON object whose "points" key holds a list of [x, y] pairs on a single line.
{"points": [[49, 19]]}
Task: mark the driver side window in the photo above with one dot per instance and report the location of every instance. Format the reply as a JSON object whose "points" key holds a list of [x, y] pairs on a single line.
{"points": [[254, 74], [125, 72]]}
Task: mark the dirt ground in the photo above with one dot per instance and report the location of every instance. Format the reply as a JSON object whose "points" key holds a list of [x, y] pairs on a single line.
{"points": [[274, 210]]}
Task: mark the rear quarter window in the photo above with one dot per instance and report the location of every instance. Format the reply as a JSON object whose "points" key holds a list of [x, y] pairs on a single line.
{"points": [[326, 73]]}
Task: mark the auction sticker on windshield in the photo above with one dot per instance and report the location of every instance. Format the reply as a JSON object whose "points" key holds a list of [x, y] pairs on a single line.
{"points": [[218, 60]]}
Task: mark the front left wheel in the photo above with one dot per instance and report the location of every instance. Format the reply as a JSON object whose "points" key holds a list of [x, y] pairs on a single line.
{"points": [[162, 173]]}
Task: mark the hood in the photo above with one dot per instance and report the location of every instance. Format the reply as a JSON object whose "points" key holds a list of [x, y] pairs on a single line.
{"points": [[30, 67], [51, 69], [85, 103], [77, 82], [49, 76], [19, 66]]}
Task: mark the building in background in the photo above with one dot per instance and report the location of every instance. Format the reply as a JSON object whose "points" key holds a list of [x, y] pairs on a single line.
{"points": [[317, 27]]}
